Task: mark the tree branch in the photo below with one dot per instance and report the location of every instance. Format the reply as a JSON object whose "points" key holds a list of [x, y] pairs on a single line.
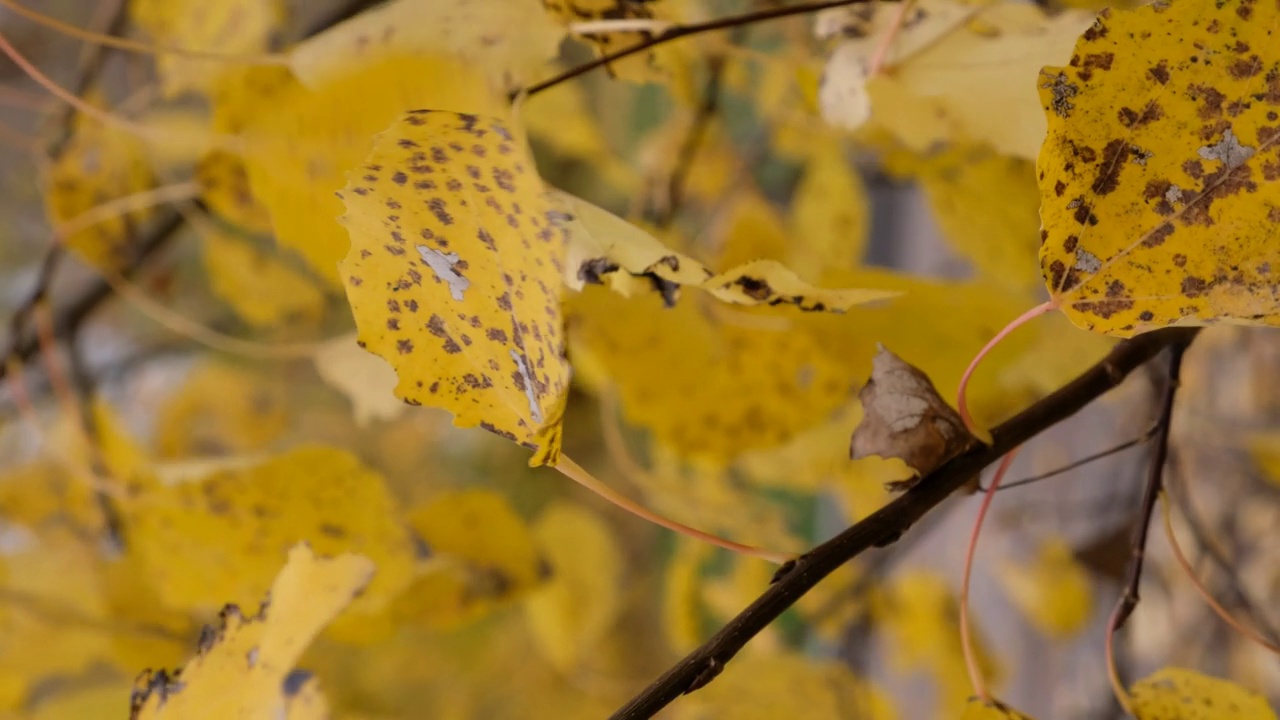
{"points": [[888, 523]]}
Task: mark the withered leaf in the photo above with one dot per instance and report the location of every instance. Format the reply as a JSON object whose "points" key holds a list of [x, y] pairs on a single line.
{"points": [[904, 417]]}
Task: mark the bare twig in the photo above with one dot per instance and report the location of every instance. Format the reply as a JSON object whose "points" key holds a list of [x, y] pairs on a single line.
{"points": [[887, 524], [1145, 436], [697, 134]]}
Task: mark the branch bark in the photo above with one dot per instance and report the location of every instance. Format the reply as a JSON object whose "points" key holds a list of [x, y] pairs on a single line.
{"points": [[886, 525]]}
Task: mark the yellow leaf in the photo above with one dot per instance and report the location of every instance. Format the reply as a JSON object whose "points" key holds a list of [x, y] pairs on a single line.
{"points": [[99, 163], [605, 248], [566, 123], [696, 405], [987, 206], [571, 614], [682, 609], [365, 379], [245, 667], [454, 275], [1053, 591], [259, 286], [221, 409], [89, 703], [1159, 199], [482, 556], [829, 213], [509, 42], [299, 141], [228, 26], [976, 709], [224, 187], [220, 538], [1177, 694], [1266, 453], [767, 688]]}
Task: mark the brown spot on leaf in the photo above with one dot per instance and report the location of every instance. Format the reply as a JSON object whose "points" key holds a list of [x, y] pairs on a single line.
{"points": [[1158, 236], [1114, 156], [1159, 72]]}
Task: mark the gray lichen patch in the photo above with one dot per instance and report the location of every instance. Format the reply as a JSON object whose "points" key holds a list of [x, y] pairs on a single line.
{"points": [[442, 264], [1228, 150]]}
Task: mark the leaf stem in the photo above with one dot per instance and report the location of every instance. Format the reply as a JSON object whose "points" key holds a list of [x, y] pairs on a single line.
{"points": [[962, 400], [971, 664], [576, 473]]}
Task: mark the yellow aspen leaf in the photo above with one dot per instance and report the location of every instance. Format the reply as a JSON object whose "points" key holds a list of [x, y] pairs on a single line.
{"points": [[220, 538], [976, 709], [228, 26], [364, 378], [919, 613], [683, 614], [98, 164], [1157, 178], [1053, 591], [509, 42], [565, 122], [221, 409], [767, 687], [604, 248], [43, 491], [224, 187], [483, 556], [244, 668], [572, 612], [696, 405], [1178, 694], [830, 214], [53, 618], [299, 142], [260, 287], [645, 67], [987, 207], [835, 604], [1265, 450], [454, 275], [88, 703]]}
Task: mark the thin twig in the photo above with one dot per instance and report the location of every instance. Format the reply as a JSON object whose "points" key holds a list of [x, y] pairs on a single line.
{"points": [[1145, 436], [697, 135], [887, 524], [676, 32]]}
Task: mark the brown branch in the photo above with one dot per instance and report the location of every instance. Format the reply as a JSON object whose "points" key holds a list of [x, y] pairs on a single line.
{"points": [[676, 32], [1151, 490], [888, 523]]}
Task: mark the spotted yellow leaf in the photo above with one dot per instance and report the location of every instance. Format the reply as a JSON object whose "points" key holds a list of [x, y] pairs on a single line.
{"points": [[1178, 694], [227, 26], [1053, 591], [244, 668], [604, 248], [219, 537], [454, 275], [644, 67], [1158, 176], [571, 614], [482, 555], [99, 163]]}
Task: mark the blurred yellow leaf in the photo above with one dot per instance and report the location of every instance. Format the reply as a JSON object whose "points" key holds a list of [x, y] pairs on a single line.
{"points": [[219, 538], [228, 26], [99, 163], [364, 378], [571, 614], [919, 613], [508, 42], [299, 142], [607, 249], [566, 123], [830, 214], [987, 207], [221, 409], [461, 295], [224, 187], [683, 614], [768, 687], [1159, 206], [89, 703], [245, 667], [259, 286], [1053, 591], [482, 555], [696, 405], [1177, 694], [1266, 453]]}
